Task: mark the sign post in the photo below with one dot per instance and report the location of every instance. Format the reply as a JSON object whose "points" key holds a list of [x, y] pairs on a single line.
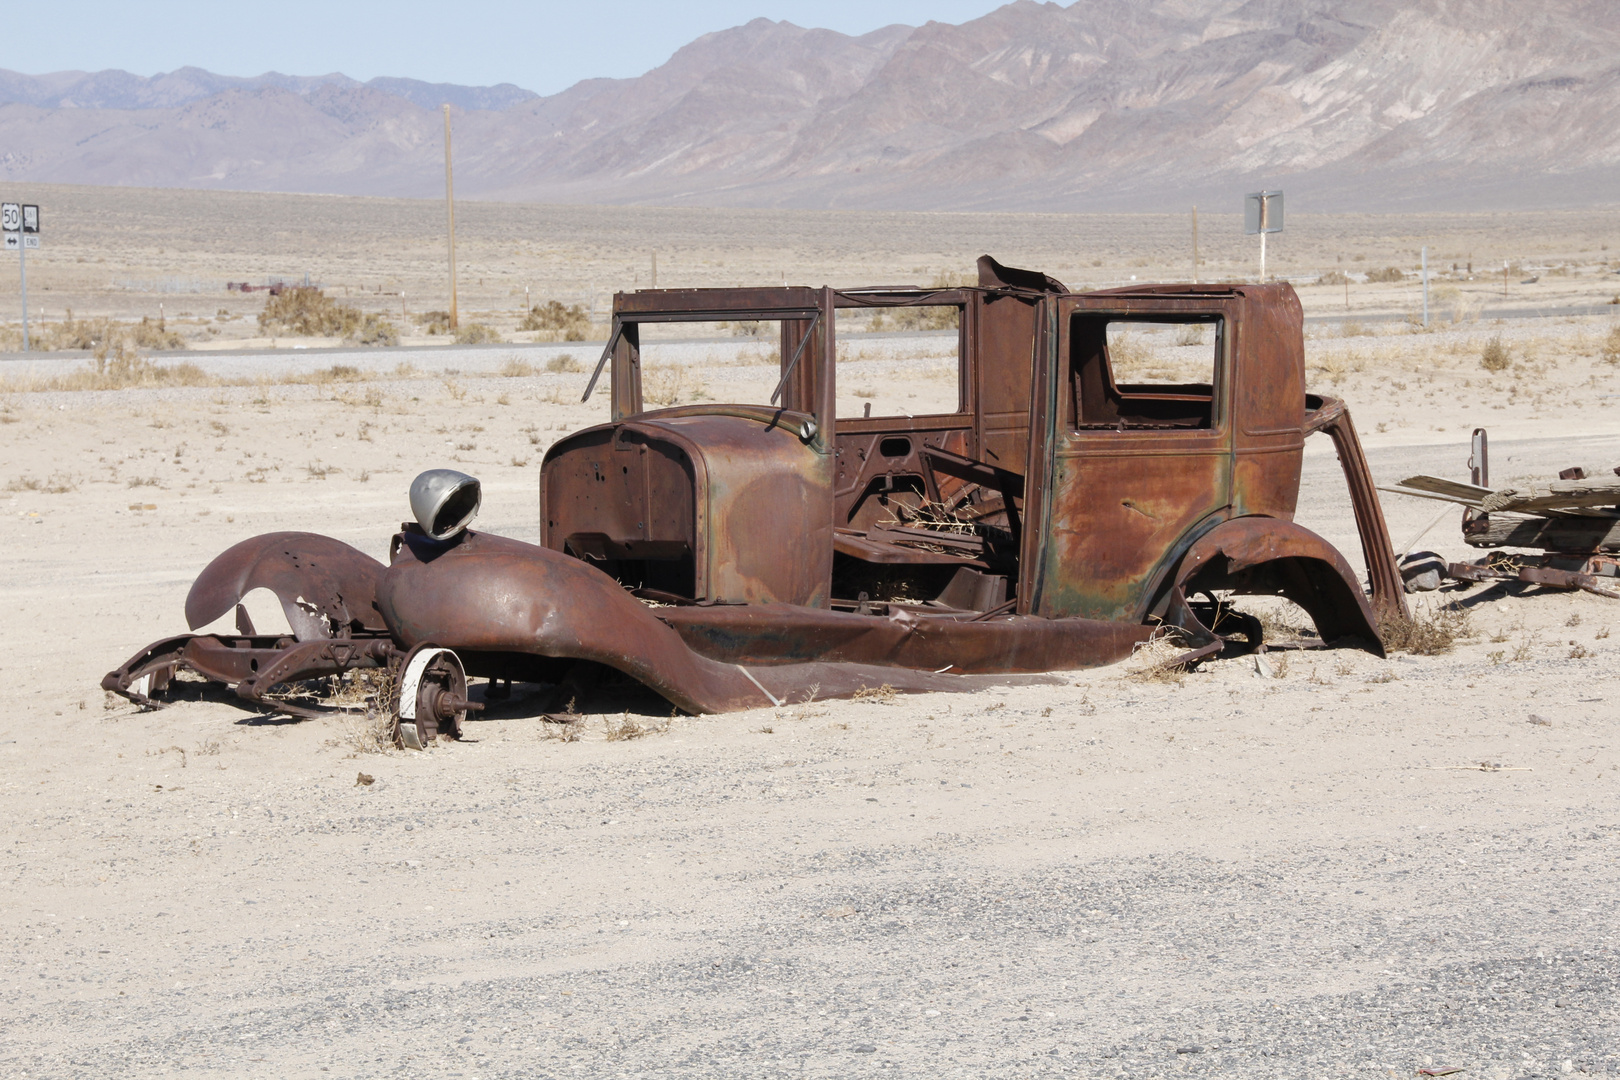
{"points": [[1425, 286], [1263, 214], [20, 225]]}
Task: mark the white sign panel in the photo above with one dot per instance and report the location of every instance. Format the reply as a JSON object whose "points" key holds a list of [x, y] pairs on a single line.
{"points": [[13, 241], [1263, 212], [30, 218], [30, 241], [10, 216]]}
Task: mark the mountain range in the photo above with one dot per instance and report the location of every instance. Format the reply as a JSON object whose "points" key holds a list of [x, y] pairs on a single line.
{"points": [[1103, 104]]}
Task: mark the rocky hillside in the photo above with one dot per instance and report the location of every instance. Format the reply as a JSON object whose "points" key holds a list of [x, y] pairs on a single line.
{"points": [[1106, 104]]}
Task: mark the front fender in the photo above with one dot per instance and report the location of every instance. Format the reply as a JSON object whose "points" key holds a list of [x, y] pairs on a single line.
{"points": [[1270, 556], [312, 575]]}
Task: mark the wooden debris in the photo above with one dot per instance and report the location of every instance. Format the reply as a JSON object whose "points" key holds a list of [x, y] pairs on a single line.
{"points": [[1548, 534], [1557, 495]]}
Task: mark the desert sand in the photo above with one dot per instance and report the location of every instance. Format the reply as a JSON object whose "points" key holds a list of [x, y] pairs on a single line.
{"points": [[1301, 873]]}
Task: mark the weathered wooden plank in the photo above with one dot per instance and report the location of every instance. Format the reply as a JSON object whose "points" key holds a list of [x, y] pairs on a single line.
{"points": [[1556, 495], [1547, 534], [1436, 487]]}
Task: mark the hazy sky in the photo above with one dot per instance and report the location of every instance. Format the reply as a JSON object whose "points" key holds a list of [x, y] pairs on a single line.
{"points": [[543, 46]]}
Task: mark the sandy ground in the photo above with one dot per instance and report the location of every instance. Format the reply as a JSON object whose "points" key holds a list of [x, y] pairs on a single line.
{"points": [[1227, 875]]}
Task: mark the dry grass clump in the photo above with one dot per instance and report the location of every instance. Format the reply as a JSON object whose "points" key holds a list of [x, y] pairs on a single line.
{"points": [[557, 321], [1150, 660], [55, 484], [624, 728], [477, 334], [517, 368], [305, 311], [116, 367], [1429, 632], [366, 698], [877, 695], [565, 364], [672, 385], [1389, 275], [1494, 356]]}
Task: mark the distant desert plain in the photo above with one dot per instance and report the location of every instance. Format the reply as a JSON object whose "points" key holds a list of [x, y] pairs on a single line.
{"points": [[1328, 865]]}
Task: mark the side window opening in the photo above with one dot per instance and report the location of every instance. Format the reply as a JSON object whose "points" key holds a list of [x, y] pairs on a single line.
{"points": [[1134, 374], [899, 361]]}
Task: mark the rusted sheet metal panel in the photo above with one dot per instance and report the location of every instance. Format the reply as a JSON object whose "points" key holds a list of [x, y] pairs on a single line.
{"points": [[1268, 398], [775, 634], [751, 502], [1004, 342], [1118, 518]]}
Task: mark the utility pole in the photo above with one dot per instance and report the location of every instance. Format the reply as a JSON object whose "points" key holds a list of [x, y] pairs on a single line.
{"points": [[655, 270], [1195, 245], [450, 216]]}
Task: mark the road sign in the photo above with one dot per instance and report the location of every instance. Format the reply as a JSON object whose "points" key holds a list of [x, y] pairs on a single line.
{"points": [[13, 241], [10, 217], [30, 241], [1263, 212], [30, 219]]}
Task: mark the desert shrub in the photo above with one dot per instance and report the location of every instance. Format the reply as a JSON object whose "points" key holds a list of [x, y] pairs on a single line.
{"points": [[375, 330], [1388, 275], [477, 334], [565, 364], [570, 323], [1494, 356], [305, 311], [1611, 347], [147, 334], [1333, 277], [434, 322], [73, 333], [671, 385]]}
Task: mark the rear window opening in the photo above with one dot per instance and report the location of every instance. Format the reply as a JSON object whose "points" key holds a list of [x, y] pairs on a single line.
{"points": [[1135, 374]]}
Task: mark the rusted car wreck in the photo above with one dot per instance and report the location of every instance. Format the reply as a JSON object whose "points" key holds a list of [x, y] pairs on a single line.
{"points": [[730, 556]]}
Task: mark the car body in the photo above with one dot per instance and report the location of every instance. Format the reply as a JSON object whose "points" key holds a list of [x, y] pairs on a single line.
{"points": [[1051, 514]]}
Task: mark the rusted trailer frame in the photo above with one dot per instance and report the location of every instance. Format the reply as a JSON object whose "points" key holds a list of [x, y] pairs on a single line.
{"points": [[730, 555]]}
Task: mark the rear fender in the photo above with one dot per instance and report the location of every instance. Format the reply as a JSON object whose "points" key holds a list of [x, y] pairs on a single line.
{"points": [[1271, 557], [324, 585]]}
